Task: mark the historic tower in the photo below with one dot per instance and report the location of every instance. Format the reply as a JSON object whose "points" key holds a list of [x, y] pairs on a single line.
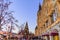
{"points": [[48, 20], [26, 30], [37, 28]]}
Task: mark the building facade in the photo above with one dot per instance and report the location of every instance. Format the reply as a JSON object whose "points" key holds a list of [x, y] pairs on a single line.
{"points": [[48, 20]]}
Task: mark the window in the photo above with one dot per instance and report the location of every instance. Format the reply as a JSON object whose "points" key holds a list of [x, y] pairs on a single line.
{"points": [[44, 25], [53, 16], [47, 23]]}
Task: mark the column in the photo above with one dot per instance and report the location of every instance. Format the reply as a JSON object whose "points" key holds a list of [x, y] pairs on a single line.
{"points": [[59, 35], [51, 37], [45, 37]]}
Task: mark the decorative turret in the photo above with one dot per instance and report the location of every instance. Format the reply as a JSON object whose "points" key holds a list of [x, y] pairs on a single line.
{"points": [[39, 7], [36, 27], [26, 29]]}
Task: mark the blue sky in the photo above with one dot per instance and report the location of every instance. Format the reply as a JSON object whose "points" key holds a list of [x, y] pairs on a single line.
{"points": [[26, 10]]}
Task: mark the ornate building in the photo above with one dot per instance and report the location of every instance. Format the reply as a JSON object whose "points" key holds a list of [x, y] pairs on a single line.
{"points": [[48, 20]]}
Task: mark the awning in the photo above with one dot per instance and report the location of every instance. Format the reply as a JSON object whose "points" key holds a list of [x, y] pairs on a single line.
{"points": [[46, 34], [54, 32]]}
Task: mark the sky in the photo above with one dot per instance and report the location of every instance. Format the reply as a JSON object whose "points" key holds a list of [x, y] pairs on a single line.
{"points": [[26, 11]]}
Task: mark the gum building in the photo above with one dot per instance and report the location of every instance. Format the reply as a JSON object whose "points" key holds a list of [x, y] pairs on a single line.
{"points": [[48, 20]]}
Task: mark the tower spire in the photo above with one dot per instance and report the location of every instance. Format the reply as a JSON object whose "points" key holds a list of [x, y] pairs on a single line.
{"points": [[26, 29], [26, 26], [39, 7]]}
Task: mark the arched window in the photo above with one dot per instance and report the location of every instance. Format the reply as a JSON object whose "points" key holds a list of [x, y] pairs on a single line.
{"points": [[53, 16]]}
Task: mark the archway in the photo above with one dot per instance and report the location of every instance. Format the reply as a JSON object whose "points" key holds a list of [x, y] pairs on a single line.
{"points": [[54, 34], [46, 36]]}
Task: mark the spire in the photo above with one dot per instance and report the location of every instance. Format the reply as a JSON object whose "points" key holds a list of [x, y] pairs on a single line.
{"points": [[39, 7], [26, 28], [36, 27]]}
